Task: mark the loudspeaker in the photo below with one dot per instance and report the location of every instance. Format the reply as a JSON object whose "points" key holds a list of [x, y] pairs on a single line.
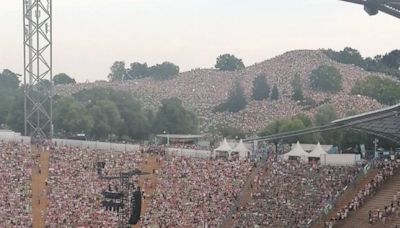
{"points": [[136, 202]]}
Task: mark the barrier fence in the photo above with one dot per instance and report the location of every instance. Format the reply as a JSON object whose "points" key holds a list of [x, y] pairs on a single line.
{"points": [[120, 147]]}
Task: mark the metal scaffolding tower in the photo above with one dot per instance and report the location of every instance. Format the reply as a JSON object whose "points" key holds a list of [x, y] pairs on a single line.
{"points": [[38, 75]]}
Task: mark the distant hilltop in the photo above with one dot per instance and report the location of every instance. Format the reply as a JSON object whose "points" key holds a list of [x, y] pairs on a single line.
{"points": [[202, 90]]}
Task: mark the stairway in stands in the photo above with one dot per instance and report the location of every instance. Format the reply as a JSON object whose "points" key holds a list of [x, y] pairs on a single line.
{"points": [[381, 199], [347, 196]]}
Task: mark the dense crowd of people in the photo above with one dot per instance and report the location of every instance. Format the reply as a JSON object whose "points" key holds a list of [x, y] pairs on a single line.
{"points": [[294, 194], [15, 179], [202, 90], [386, 168], [195, 192], [75, 186]]}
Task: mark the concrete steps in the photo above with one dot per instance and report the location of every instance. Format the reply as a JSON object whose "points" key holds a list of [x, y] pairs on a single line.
{"points": [[347, 196], [382, 198]]}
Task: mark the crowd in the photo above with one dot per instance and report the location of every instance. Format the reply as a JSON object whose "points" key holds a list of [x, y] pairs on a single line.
{"points": [[202, 90], [195, 192], [292, 194], [16, 165], [386, 170], [382, 215], [74, 186]]}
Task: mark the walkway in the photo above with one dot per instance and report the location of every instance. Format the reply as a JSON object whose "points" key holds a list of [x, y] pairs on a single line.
{"points": [[245, 196], [149, 164], [347, 196], [382, 198], [39, 175]]}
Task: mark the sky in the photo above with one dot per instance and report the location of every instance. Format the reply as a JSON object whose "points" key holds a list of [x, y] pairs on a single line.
{"points": [[89, 35]]}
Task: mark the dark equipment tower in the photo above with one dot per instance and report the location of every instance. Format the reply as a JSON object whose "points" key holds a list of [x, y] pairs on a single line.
{"points": [[38, 74]]}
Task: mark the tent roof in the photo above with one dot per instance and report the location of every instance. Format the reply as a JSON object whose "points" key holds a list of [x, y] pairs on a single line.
{"points": [[297, 151], [311, 147], [318, 151], [224, 146], [240, 147]]}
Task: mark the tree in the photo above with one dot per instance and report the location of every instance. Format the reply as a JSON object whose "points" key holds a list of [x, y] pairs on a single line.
{"points": [[173, 118], [164, 71], [392, 59], [63, 79], [15, 117], [107, 119], [325, 114], [326, 78], [9, 80], [236, 100], [9, 84], [118, 71], [383, 90], [228, 62], [138, 70], [291, 124], [297, 89], [71, 117], [275, 93], [136, 121], [260, 88]]}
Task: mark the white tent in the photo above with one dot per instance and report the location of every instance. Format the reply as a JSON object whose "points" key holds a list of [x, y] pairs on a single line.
{"points": [[297, 151], [223, 148], [241, 149], [317, 152]]}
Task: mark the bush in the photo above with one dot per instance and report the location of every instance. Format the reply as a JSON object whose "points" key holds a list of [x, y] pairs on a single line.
{"points": [[385, 90], [228, 62], [326, 78]]}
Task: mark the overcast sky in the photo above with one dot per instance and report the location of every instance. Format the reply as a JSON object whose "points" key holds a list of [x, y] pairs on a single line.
{"points": [[89, 35]]}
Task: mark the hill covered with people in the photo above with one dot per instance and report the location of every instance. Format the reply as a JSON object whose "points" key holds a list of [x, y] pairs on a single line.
{"points": [[202, 91]]}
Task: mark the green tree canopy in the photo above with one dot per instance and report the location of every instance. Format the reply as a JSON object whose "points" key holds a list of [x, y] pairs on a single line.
{"points": [[173, 118], [164, 71], [392, 59], [15, 117], [325, 114], [107, 119], [297, 89], [383, 90], [9, 85], [63, 79], [275, 93], [71, 117], [236, 100], [261, 88], [228, 62], [118, 71], [387, 64], [295, 123], [138, 70], [326, 78]]}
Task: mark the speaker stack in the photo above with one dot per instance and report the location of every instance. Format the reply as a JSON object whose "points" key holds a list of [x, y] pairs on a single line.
{"points": [[136, 202]]}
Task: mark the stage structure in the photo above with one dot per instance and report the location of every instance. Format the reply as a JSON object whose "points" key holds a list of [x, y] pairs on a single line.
{"points": [[38, 74], [372, 7]]}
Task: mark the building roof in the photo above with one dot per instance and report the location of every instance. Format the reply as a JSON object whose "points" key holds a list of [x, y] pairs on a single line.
{"points": [[176, 136]]}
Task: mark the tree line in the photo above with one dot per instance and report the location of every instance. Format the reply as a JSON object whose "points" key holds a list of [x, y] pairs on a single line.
{"points": [[388, 63], [101, 114], [165, 70]]}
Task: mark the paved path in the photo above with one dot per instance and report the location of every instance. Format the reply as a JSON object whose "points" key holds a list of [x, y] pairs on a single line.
{"points": [[39, 175], [149, 164]]}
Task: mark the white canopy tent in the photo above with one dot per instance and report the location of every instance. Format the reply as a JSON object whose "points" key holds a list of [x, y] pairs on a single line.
{"points": [[224, 150], [298, 152], [317, 152], [241, 149]]}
